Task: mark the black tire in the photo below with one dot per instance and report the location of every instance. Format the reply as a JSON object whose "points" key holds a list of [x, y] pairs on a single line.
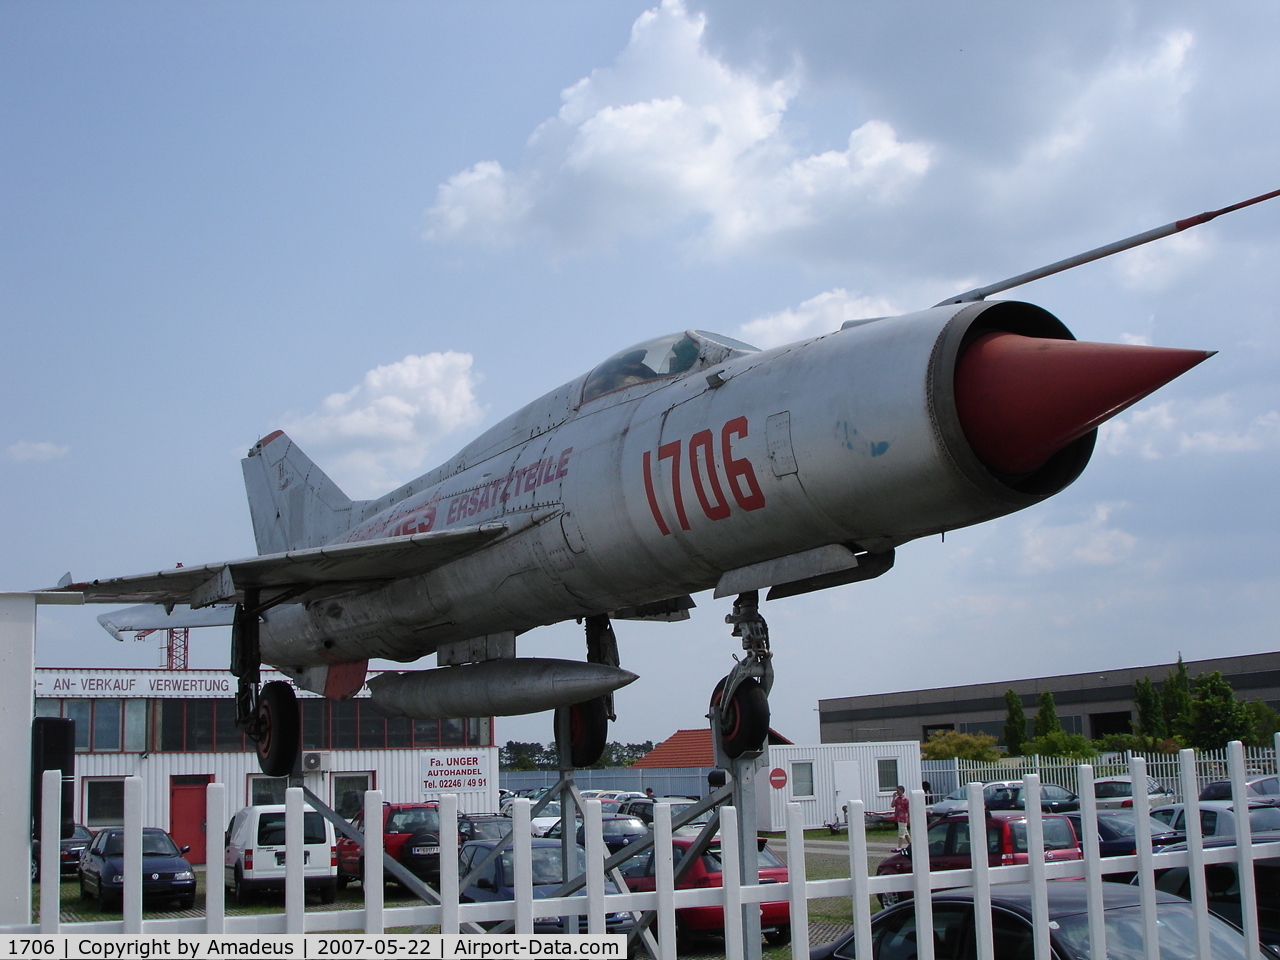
{"points": [[280, 722], [588, 731], [240, 891], [328, 893], [84, 894], [342, 881], [778, 937], [186, 903], [744, 721], [104, 901]]}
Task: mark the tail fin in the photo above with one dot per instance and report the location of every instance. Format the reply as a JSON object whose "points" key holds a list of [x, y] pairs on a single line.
{"points": [[292, 502]]}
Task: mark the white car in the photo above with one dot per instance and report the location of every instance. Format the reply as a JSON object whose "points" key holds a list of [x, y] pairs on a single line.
{"points": [[1218, 818], [547, 817], [1115, 793], [255, 852]]}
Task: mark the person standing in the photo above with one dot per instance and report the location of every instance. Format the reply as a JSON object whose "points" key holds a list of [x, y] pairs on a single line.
{"points": [[901, 814]]}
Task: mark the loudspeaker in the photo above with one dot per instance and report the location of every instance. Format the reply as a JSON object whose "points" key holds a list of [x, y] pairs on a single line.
{"points": [[53, 747]]}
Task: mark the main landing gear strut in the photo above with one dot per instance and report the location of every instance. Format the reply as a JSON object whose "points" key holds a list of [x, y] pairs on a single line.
{"points": [[585, 726], [269, 716]]}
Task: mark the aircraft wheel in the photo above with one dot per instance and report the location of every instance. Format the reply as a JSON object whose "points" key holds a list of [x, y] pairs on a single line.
{"points": [[744, 721], [588, 731], [281, 726]]}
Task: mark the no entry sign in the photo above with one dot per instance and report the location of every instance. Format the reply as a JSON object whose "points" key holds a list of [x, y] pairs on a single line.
{"points": [[777, 778]]}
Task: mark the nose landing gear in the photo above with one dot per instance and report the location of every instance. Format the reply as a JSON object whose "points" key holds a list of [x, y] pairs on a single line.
{"points": [[739, 712]]}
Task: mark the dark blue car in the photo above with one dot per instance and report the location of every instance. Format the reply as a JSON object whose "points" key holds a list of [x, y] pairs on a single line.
{"points": [[496, 881], [166, 874]]}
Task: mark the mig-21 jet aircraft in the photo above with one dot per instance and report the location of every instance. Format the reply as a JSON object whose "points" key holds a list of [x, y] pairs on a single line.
{"points": [[685, 463]]}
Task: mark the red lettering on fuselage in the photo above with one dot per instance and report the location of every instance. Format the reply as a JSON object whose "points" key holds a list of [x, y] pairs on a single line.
{"points": [[703, 466]]}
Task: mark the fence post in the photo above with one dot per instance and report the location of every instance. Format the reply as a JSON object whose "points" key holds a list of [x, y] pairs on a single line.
{"points": [[132, 867], [1244, 847], [17, 704], [449, 858], [798, 876], [1092, 862], [215, 856], [295, 882], [372, 883], [1195, 848], [50, 834], [730, 852]]}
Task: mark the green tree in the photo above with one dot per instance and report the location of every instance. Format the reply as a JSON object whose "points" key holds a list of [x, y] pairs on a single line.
{"points": [[1146, 698], [1015, 724], [1175, 701], [521, 756], [1216, 716], [949, 744], [1264, 722], [1047, 721], [1059, 743]]}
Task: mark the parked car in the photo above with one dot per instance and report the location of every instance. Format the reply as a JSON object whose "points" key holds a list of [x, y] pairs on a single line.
{"points": [[166, 874], [1117, 835], [1222, 882], [69, 850], [1007, 795], [618, 831], [1218, 818], [950, 848], [1113, 793], [894, 933], [707, 871], [1262, 787], [642, 807], [1118, 828], [497, 880], [410, 836], [254, 858], [547, 818], [488, 826]]}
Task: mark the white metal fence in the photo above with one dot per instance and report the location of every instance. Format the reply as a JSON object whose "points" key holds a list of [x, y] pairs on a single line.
{"points": [[592, 901], [945, 776]]}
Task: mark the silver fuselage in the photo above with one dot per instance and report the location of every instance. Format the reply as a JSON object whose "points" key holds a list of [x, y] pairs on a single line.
{"points": [[655, 491]]}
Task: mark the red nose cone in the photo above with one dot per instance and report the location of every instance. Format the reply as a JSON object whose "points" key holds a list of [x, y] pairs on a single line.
{"points": [[1021, 399]]}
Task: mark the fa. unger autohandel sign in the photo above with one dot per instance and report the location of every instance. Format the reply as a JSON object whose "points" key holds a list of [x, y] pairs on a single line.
{"points": [[445, 771]]}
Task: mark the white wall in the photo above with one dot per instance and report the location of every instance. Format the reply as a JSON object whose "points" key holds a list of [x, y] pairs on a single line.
{"points": [[398, 773], [819, 807]]}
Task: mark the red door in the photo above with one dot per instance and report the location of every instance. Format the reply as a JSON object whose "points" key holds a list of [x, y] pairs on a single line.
{"points": [[186, 813]]}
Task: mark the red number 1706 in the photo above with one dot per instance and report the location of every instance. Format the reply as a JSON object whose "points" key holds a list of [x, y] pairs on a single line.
{"points": [[704, 471]]}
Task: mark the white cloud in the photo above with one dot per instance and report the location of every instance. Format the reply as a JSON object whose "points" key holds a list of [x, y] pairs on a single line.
{"points": [[27, 451], [814, 317], [1091, 542], [1132, 103], [670, 136], [1154, 266], [373, 436], [1175, 428]]}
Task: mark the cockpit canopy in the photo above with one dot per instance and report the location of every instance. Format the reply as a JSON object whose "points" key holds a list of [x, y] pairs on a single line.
{"points": [[657, 359]]}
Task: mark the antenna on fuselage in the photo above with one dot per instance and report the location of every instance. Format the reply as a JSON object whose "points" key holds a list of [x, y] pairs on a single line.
{"points": [[981, 293]]}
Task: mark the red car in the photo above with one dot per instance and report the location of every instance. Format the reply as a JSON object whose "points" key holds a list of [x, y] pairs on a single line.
{"points": [[691, 922], [949, 847], [410, 834]]}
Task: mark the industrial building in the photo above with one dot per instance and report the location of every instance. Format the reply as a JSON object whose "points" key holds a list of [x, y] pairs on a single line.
{"points": [[176, 730], [1095, 704]]}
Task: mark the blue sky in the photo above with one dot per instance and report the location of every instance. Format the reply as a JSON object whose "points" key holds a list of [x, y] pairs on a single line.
{"points": [[383, 227]]}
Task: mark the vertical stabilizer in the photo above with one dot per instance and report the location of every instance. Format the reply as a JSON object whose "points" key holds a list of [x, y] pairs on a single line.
{"points": [[292, 502]]}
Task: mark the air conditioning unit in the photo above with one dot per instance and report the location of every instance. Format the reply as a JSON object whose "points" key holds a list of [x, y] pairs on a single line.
{"points": [[315, 760]]}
